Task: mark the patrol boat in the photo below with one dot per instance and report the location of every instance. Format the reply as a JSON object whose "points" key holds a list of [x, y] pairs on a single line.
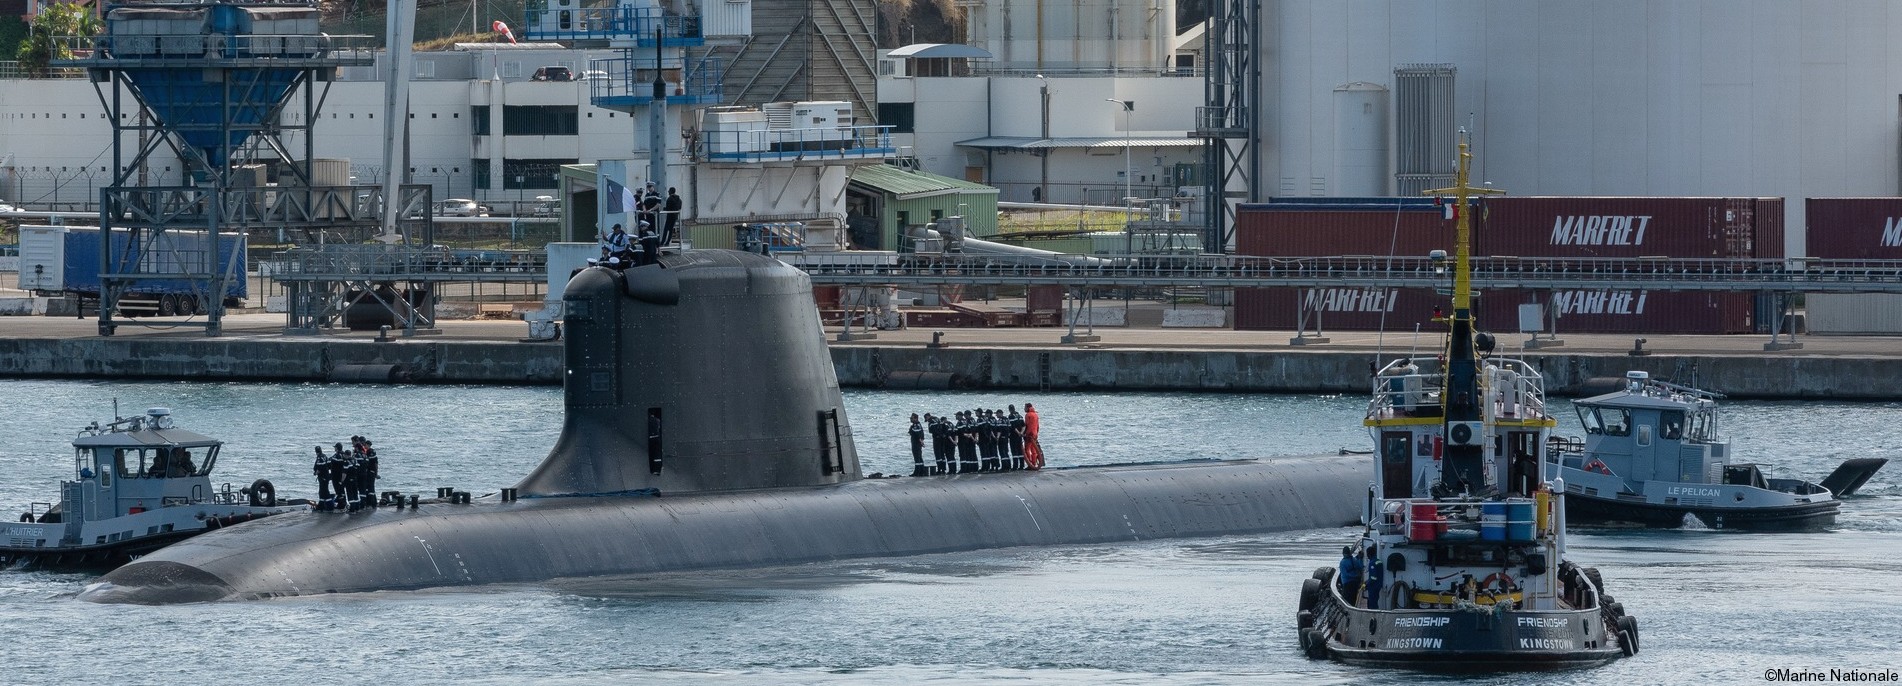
{"points": [[1652, 455], [139, 484], [1461, 566]]}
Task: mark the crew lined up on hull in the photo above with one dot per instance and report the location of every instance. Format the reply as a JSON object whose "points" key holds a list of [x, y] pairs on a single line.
{"points": [[346, 481], [978, 440]]}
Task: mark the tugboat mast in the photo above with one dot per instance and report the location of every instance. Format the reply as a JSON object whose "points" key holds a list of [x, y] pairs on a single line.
{"points": [[1463, 467]]}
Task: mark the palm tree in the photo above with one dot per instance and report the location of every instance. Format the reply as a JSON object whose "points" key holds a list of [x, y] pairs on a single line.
{"points": [[46, 40]]}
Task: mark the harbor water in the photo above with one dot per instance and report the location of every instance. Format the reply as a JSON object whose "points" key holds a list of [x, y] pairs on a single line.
{"points": [[1715, 607]]}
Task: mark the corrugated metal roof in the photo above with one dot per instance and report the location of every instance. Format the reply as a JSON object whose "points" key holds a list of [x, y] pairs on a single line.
{"points": [[1031, 143], [911, 184]]}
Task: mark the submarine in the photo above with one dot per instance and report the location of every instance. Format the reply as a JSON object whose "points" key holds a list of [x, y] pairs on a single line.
{"points": [[704, 429]]}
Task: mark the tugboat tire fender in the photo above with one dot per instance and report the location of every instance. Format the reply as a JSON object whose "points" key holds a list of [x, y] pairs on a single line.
{"points": [[1324, 574], [1315, 643], [1616, 609], [1310, 594], [262, 493], [26, 517], [1628, 633], [1305, 619]]}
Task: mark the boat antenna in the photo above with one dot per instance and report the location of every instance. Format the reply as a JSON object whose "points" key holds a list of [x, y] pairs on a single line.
{"points": [[1463, 466]]}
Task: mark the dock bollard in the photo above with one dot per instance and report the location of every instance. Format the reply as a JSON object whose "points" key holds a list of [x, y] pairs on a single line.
{"points": [[444, 491], [413, 498]]}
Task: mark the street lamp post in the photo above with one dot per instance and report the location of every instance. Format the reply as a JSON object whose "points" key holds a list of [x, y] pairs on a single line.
{"points": [[1128, 178]]}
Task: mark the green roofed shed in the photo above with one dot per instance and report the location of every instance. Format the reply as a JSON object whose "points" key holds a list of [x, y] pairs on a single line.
{"points": [[882, 199]]}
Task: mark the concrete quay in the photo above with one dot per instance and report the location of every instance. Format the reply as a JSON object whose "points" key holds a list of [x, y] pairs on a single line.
{"points": [[492, 352]]}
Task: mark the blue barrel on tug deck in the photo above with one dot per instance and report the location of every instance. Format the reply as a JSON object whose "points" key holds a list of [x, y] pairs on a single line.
{"points": [[1492, 521], [1520, 518]]}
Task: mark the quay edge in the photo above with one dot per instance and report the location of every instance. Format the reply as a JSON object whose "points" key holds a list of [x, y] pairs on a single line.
{"points": [[1781, 375]]}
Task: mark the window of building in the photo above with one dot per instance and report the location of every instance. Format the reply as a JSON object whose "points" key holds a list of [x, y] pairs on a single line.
{"points": [[479, 119], [479, 168], [532, 174], [540, 120], [897, 115]]}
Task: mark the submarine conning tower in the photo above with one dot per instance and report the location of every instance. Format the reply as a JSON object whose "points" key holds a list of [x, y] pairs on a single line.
{"points": [[707, 371]]}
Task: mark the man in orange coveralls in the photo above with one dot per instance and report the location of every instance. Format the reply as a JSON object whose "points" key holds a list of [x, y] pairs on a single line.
{"points": [[1033, 451]]}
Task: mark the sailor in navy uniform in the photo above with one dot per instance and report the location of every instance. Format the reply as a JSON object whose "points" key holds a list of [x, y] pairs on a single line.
{"points": [[967, 444], [987, 440], [321, 468], [369, 473], [335, 471], [917, 434], [353, 480], [1016, 438]]}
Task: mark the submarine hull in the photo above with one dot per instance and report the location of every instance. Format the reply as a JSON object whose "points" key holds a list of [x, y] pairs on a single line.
{"points": [[538, 539]]}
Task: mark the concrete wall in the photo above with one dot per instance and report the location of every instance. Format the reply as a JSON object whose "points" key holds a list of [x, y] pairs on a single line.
{"points": [[1780, 375]]}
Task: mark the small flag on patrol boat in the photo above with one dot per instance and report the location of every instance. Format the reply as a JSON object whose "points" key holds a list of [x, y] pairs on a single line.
{"points": [[1449, 208]]}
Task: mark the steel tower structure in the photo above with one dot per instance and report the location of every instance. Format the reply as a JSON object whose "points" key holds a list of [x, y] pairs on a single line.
{"points": [[214, 83], [1227, 119]]}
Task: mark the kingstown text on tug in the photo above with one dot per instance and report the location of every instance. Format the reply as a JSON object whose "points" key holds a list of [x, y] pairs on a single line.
{"points": [[1462, 564]]}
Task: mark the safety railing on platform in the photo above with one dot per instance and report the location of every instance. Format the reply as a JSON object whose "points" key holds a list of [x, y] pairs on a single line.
{"points": [[620, 82], [369, 262], [764, 145], [1695, 274], [354, 50], [620, 22]]}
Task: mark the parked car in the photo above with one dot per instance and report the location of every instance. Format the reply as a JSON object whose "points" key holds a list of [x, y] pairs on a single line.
{"points": [[547, 206], [460, 207], [554, 73]]}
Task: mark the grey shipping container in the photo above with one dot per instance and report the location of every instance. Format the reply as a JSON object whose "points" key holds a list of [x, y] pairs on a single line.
{"points": [[1585, 226], [1854, 228]]}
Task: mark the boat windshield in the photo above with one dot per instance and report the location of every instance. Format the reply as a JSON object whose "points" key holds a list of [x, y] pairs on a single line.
{"points": [[1610, 421], [167, 462]]}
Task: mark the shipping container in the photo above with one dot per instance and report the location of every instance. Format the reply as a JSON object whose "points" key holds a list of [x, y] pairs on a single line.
{"points": [[1345, 226], [1497, 310], [1340, 309], [1618, 310], [76, 253], [1853, 313], [1854, 228], [1630, 227]]}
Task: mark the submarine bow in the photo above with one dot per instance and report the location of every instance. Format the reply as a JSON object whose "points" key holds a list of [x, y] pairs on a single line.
{"points": [[704, 429]]}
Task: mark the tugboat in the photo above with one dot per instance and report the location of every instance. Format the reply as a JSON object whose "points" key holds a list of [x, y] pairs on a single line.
{"points": [[1652, 455], [1461, 566], [140, 484]]}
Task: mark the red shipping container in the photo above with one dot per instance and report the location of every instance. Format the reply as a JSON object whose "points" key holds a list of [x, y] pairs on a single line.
{"points": [[1630, 227], [1770, 222], [1322, 230], [1043, 298], [1854, 228], [1340, 309], [1619, 310]]}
